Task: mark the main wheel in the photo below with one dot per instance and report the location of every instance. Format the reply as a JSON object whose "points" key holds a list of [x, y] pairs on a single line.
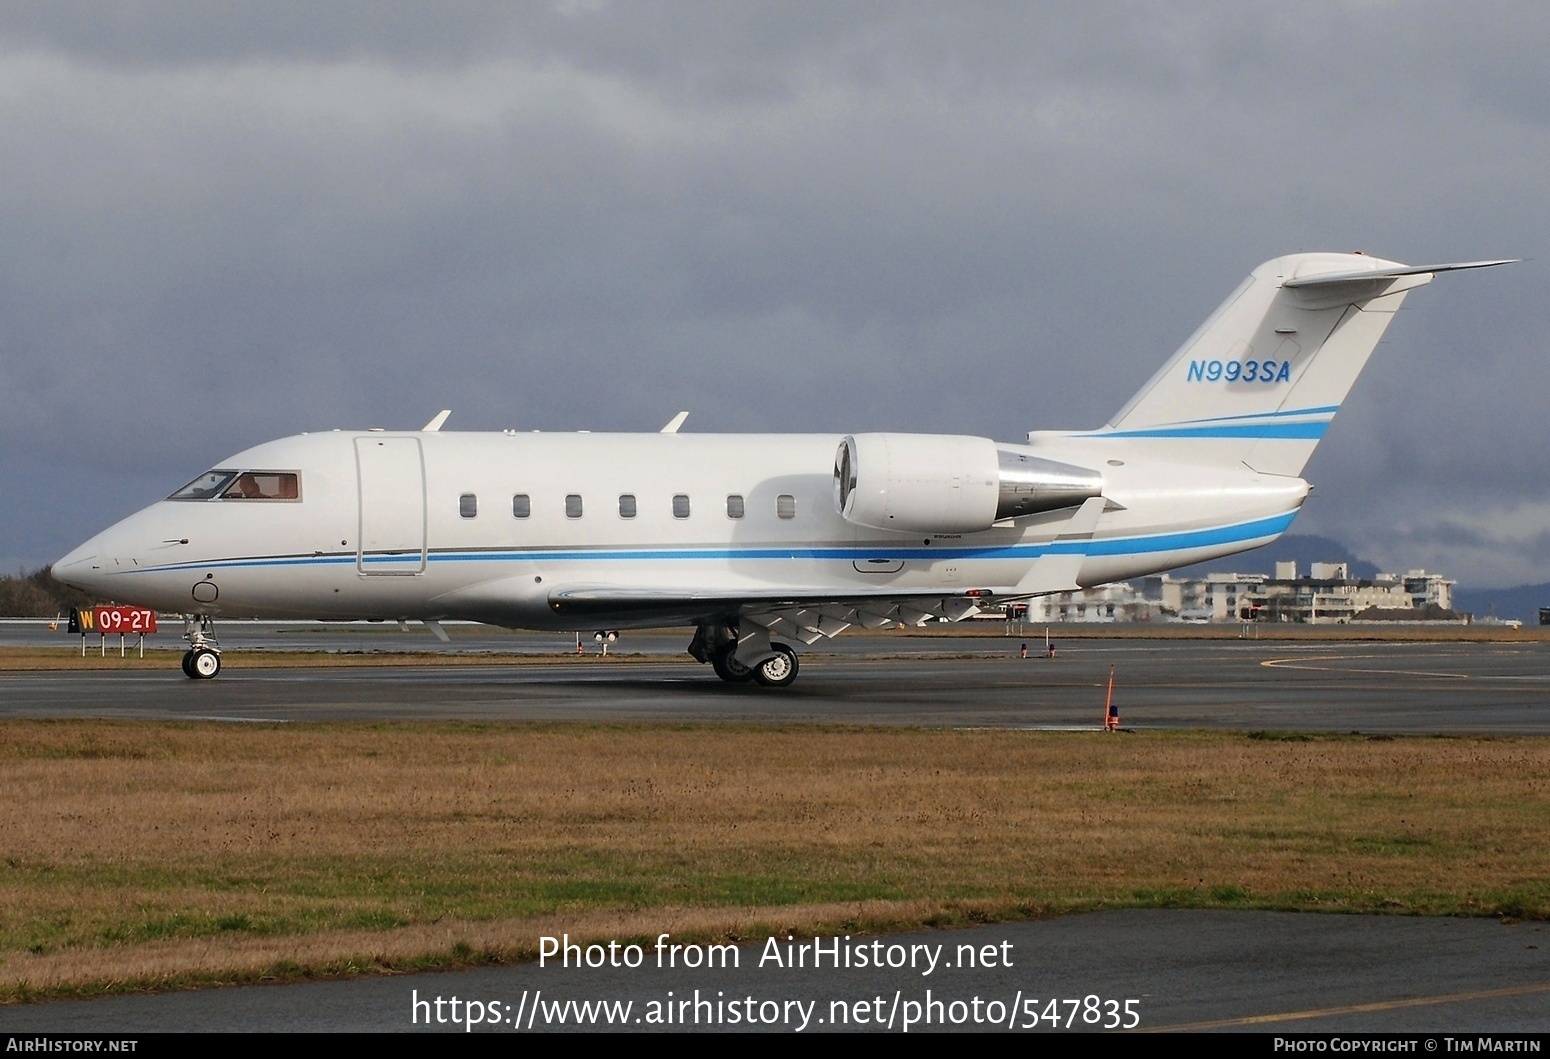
{"points": [[728, 668], [188, 656], [203, 664], [778, 671]]}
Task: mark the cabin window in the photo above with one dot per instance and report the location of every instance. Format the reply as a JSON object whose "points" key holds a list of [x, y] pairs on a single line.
{"points": [[206, 486], [735, 506], [627, 505], [681, 505], [573, 505], [786, 506], [521, 506], [468, 505], [264, 485]]}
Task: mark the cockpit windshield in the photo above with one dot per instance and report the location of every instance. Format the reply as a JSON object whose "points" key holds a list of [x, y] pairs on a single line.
{"points": [[264, 485], [204, 487], [242, 485]]}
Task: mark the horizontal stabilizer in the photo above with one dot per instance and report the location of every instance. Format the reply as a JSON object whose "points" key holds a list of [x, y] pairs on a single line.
{"points": [[1330, 278]]}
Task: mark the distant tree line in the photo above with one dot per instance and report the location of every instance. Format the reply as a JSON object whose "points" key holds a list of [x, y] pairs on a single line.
{"points": [[38, 595]]}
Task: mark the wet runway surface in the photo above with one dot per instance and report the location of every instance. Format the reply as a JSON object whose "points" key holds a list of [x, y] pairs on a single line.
{"points": [[1201, 970], [957, 681]]}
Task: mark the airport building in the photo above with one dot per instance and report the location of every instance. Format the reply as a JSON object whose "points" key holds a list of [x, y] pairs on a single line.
{"points": [[1327, 594]]}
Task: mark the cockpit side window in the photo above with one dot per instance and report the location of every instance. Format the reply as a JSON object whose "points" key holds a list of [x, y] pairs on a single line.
{"points": [[264, 485], [204, 487]]}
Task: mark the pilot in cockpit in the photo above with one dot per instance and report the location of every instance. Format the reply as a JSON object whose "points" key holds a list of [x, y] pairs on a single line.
{"points": [[246, 487]]}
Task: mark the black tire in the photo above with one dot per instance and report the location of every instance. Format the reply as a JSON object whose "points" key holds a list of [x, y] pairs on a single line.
{"points": [[204, 664], [728, 668], [188, 656], [779, 671]]}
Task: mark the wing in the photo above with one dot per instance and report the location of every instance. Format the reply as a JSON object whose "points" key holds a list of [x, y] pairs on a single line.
{"points": [[807, 615]]}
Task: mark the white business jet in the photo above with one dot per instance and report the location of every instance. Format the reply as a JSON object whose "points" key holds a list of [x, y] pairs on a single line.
{"points": [[750, 537]]}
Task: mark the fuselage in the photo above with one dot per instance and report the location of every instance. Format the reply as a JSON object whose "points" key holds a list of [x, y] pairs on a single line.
{"points": [[494, 527]]}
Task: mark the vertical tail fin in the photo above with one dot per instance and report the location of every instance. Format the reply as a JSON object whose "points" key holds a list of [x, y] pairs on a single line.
{"points": [[1261, 380]]}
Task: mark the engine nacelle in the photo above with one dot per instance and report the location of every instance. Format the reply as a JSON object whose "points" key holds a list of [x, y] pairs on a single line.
{"points": [[948, 483]]}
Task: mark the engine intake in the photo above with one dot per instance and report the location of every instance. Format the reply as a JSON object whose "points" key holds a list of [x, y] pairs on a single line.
{"points": [[949, 483]]}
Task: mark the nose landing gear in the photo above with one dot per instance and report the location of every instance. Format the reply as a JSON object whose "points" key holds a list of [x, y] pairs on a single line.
{"points": [[202, 661]]}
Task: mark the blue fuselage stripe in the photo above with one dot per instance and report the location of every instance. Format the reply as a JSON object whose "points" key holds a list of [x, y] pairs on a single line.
{"points": [[1162, 542], [1312, 431], [1326, 411]]}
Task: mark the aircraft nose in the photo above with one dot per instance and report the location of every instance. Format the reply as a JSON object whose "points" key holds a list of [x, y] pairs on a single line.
{"points": [[80, 568]]}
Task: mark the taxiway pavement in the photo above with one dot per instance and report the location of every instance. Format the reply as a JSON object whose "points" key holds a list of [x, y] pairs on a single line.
{"points": [[1367, 686]]}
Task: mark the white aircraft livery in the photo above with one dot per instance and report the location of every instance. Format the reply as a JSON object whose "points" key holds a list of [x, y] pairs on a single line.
{"points": [[755, 539]]}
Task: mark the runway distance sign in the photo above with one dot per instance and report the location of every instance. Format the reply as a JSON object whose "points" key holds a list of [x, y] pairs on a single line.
{"points": [[126, 621]]}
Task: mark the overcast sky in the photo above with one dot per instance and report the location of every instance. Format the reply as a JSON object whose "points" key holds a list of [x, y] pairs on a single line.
{"points": [[222, 223]]}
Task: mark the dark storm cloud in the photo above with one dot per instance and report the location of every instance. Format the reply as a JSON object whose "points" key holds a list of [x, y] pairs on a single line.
{"points": [[229, 222]]}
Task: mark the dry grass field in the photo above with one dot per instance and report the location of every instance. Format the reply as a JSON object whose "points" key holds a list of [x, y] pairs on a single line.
{"points": [[139, 855]]}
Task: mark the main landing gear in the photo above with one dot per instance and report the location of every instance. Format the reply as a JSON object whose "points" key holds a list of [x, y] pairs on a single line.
{"points": [[202, 661], [779, 671], [737, 660]]}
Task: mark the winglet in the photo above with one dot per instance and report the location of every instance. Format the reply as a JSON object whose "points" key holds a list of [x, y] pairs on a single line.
{"points": [[674, 423], [435, 424]]}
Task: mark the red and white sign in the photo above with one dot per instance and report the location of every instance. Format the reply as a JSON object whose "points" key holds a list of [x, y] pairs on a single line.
{"points": [[126, 621]]}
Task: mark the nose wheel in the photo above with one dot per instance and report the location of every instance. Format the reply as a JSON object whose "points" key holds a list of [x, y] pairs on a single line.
{"points": [[202, 660], [201, 663]]}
